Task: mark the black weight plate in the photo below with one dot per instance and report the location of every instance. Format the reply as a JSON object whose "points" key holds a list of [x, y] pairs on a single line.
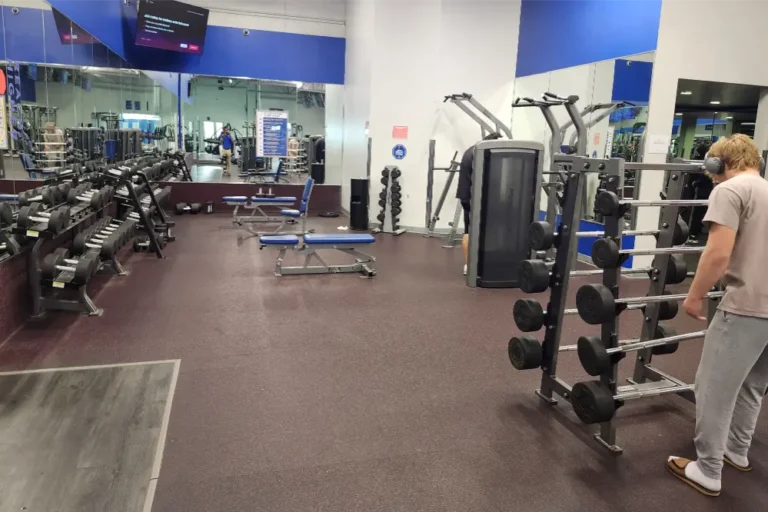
{"points": [[56, 221], [534, 276], [524, 352], [593, 356], [595, 303], [605, 253], [593, 402], [528, 314], [48, 266], [607, 203], [6, 214], [669, 348], [541, 235], [668, 309], [681, 232]]}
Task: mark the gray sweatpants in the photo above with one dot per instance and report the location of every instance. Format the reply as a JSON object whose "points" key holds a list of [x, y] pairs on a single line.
{"points": [[730, 384]]}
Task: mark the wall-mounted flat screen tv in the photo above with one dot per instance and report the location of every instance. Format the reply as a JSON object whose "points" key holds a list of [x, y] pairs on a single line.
{"points": [[171, 25]]}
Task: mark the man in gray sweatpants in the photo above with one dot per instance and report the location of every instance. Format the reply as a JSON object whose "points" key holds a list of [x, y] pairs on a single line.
{"points": [[733, 372]]}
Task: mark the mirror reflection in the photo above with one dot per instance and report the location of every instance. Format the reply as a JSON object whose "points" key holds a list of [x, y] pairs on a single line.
{"points": [[221, 129]]}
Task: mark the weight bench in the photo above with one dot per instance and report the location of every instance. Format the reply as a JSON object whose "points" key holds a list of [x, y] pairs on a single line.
{"points": [[287, 215], [346, 243]]}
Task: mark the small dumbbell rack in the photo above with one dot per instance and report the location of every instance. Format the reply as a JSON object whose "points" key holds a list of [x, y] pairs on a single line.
{"points": [[390, 200]]}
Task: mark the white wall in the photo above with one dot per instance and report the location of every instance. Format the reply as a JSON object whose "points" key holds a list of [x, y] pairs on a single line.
{"points": [[357, 92], [334, 133], [315, 17], [730, 57], [423, 51]]}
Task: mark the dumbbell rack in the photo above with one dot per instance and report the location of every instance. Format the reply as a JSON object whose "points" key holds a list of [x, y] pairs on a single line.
{"points": [[124, 178], [572, 168], [81, 217], [647, 380], [391, 199]]}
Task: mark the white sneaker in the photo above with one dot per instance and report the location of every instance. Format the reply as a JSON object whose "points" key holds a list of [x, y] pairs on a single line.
{"points": [[465, 270]]}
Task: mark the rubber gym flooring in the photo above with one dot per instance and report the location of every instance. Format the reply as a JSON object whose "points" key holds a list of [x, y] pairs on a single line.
{"points": [[335, 393]]}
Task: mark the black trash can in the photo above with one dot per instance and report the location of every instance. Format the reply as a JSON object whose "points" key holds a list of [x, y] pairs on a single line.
{"points": [[318, 173], [358, 205]]}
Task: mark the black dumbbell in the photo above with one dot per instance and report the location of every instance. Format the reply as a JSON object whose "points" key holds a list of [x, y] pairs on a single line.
{"points": [[196, 208], [46, 195], [597, 360], [529, 315], [382, 203], [535, 275], [395, 173], [142, 244], [542, 235], [384, 181], [606, 252], [79, 194], [396, 212], [58, 261], [396, 203], [384, 173], [381, 217], [55, 220], [107, 247], [396, 188], [396, 196], [597, 305], [121, 172], [181, 208]]}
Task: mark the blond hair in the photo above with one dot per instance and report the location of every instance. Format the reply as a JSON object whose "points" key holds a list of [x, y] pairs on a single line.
{"points": [[737, 151]]}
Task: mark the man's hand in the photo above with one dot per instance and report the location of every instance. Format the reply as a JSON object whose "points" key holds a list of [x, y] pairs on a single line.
{"points": [[694, 307]]}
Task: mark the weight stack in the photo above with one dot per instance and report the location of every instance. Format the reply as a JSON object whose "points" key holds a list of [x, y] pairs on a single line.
{"points": [[358, 204]]}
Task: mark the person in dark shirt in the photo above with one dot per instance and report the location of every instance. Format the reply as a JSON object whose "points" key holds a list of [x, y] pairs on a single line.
{"points": [[464, 192]]}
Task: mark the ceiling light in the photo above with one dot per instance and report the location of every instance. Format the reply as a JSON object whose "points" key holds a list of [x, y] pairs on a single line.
{"points": [[686, 93], [298, 85], [747, 124], [717, 113], [729, 117], [678, 114], [230, 80], [714, 102]]}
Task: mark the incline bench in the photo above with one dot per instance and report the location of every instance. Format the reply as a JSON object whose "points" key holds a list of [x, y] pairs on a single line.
{"points": [[346, 243]]}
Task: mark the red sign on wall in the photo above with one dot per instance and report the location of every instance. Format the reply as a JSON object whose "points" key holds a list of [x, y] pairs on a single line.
{"points": [[399, 132], [597, 139]]}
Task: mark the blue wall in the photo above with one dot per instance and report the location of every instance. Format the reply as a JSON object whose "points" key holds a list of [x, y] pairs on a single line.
{"points": [[556, 34], [31, 36], [632, 81]]}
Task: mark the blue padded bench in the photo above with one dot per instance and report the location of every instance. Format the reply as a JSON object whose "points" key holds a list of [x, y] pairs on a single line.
{"points": [[342, 242], [286, 216]]}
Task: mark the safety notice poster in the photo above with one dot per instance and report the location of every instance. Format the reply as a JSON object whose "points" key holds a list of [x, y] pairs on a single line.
{"points": [[271, 133]]}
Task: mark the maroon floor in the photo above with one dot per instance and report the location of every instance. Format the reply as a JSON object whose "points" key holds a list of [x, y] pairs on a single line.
{"points": [[336, 393]]}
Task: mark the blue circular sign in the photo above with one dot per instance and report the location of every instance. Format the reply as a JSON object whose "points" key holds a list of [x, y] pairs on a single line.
{"points": [[399, 152]]}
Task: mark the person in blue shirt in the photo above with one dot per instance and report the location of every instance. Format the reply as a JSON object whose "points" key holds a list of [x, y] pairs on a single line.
{"points": [[227, 145]]}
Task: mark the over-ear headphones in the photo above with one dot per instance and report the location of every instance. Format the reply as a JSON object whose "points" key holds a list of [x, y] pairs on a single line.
{"points": [[716, 165]]}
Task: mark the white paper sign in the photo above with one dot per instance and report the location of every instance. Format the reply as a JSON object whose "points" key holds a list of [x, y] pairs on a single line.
{"points": [[609, 142], [659, 144]]}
